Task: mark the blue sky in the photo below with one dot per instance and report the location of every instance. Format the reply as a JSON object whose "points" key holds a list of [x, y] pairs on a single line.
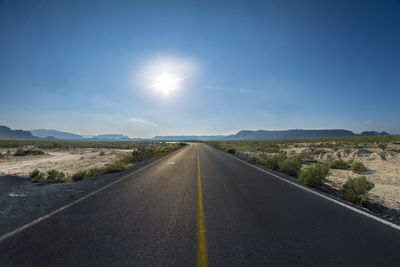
{"points": [[86, 66]]}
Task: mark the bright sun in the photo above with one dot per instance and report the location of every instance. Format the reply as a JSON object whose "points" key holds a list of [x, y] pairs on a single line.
{"points": [[167, 75], [166, 82]]}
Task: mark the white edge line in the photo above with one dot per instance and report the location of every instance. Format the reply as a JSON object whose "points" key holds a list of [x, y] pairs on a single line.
{"points": [[44, 217], [395, 226]]}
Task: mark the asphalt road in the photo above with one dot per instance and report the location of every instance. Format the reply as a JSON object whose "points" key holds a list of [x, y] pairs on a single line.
{"points": [[200, 206]]}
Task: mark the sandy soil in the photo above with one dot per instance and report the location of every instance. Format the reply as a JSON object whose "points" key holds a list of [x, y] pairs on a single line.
{"points": [[68, 161], [383, 170]]}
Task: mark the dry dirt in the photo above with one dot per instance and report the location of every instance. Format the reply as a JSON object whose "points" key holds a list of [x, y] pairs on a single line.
{"points": [[383, 170], [68, 161]]}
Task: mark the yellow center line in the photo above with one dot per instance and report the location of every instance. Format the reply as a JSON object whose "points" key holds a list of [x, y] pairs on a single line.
{"points": [[202, 255]]}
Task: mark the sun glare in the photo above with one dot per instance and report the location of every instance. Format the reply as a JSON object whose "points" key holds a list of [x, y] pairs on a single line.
{"points": [[166, 83], [167, 75]]}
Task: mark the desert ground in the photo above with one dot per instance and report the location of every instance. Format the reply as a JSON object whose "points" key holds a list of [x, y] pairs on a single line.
{"points": [[383, 170], [68, 161]]}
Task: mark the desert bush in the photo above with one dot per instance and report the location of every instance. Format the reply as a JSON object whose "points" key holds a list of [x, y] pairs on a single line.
{"points": [[36, 176], [54, 176], [314, 175], [382, 146], [93, 172], [231, 151], [36, 152], [272, 162], [80, 175], [347, 150], [116, 167], [102, 153], [316, 152], [24, 152], [20, 152], [253, 159], [340, 164], [355, 189], [290, 166], [358, 167]]}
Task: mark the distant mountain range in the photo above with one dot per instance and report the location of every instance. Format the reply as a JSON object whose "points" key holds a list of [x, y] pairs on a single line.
{"points": [[294, 134], [53, 134], [7, 133]]}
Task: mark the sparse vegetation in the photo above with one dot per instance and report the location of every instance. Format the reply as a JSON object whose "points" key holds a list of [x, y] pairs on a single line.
{"points": [[93, 172], [272, 162], [253, 159], [24, 152], [382, 146], [314, 175], [115, 167], [74, 144], [36, 176], [340, 164], [358, 167], [355, 189], [290, 166], [346, 143], [141, 151], [80, 175], [54, 176], [231, 151]]}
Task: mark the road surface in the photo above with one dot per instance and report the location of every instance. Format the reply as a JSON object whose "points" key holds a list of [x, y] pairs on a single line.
{"points": [[199, 207]]}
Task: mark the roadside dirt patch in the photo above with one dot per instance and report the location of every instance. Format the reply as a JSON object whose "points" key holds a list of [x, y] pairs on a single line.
{"points": [[68, 161]]}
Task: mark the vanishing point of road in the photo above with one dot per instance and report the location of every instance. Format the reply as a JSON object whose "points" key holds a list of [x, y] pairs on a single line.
{"points": [[201, 207]]}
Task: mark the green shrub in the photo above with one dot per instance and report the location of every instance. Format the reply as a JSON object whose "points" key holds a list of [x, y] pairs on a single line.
{"points": [[272, 149], [54, 176], [37, 176], [290, 166], [36, 152], [102, 153], [347, 150], [318, 151], [93, 172], [20, 152], [80, 175], [383, 146], [358, 167], [272, 162], [340, 164], [314, 176], [116, 167], [231, 151], [355, 189], [253, 159]]}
